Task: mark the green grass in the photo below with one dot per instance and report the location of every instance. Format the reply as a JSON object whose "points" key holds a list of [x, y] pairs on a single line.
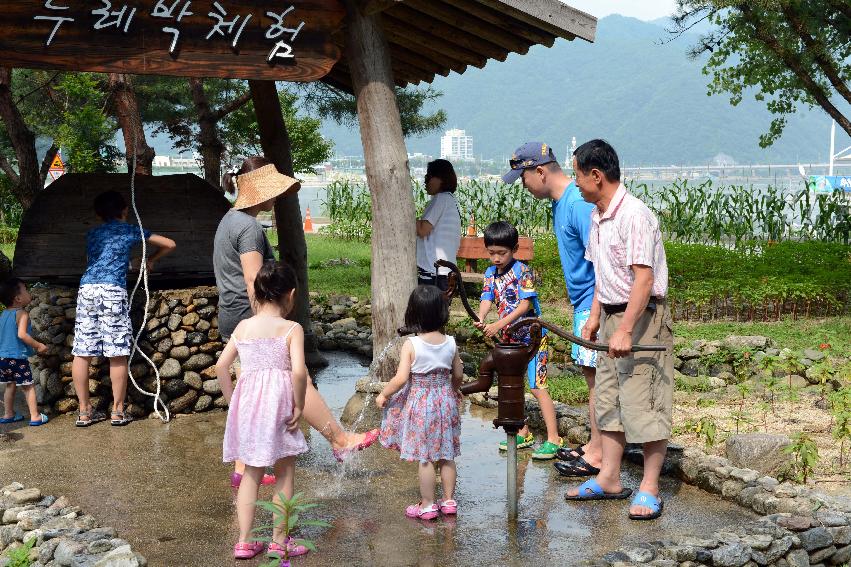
{"points": [[8, 250], [353, 279], [568, 389]]}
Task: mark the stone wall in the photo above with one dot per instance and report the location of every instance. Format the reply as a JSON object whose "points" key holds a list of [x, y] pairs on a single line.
{"points": [[181, 338], [800, 526], [61, 534]]}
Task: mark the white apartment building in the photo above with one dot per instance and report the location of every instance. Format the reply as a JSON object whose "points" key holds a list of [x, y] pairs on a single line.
{"points": [[456, 144]]}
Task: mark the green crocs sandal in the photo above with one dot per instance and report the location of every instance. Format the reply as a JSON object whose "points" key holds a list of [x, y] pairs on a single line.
{"points": [[522, 442], [547, 451]]}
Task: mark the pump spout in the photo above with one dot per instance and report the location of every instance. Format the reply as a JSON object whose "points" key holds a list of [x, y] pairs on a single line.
{"points": [[485, 379]]}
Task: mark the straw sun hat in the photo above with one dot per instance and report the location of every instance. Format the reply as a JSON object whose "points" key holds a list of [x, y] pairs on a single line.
{"points": [[262, 184]]}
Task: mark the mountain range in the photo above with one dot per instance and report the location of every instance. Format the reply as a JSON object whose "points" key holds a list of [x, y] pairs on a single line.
{"points": [[631, 86]]}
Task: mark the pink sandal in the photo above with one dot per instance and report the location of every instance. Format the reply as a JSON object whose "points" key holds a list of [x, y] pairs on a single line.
{"points": [[415, 511], [448, 507], [293, 548], [346, 452], [247, 550]]}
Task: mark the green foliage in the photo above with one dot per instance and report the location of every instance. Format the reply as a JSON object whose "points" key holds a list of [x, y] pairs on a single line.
{"points": [[341, 107], [86, 132], [805, 454], [20, 556], [787, 52], [10, 210], [569, 389], [287, 516], [241, 134]]}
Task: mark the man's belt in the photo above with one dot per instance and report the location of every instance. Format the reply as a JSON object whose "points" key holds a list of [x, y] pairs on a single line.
{"points": [[621, 307]]}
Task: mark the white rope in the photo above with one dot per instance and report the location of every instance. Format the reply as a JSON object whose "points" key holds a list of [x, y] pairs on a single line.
{"points": [[143, 279]]}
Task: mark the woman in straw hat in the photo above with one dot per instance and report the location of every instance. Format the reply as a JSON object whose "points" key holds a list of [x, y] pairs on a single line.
{"points": [[239, 250]]}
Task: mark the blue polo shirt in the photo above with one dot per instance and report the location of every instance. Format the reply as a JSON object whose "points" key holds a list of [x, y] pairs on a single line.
{"points": [[571, 223]]}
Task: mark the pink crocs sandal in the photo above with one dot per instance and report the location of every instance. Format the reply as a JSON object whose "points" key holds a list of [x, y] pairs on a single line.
{"points": [[448, 507], [247, 550], [346, 452], [293, 548], [428, 513], [236, 479]]}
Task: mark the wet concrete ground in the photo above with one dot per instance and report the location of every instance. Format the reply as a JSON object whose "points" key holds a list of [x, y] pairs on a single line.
{"points": [[164, 488]]}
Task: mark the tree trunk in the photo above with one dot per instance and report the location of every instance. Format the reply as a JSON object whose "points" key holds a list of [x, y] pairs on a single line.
{"points": [[208, 136], [27, 182], [275, 141], [127, 111], [393, 245]]}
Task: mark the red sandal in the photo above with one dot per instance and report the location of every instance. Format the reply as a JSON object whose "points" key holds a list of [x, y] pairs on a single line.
{"points": [[247, 550]]}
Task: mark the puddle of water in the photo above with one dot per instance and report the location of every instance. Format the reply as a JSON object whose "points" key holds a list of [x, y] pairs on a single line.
{"points": [[164, 488]]}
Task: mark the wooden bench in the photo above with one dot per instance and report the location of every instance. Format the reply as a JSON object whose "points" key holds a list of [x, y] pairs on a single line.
{"points": [[473, 248]]}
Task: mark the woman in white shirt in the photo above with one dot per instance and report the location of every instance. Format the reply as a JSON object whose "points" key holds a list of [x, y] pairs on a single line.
{"points": [[439, 229]]}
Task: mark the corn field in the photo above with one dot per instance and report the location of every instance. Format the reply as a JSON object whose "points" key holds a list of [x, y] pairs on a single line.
{"points": [[348, 206], [702, 213]]}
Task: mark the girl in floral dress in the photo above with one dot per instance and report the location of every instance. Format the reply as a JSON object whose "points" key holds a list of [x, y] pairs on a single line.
{"points": [[421, 420]]}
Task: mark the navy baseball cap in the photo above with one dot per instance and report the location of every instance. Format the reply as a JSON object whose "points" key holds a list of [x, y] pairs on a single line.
{"points": [[530, 154]]}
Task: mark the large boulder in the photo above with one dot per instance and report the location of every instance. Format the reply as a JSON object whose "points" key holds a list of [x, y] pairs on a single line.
{"points": [[759, 451], [752, 342], [361, 412]]}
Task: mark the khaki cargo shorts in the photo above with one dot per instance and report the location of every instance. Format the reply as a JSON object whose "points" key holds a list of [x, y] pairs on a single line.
{"points": [[634, 394]]}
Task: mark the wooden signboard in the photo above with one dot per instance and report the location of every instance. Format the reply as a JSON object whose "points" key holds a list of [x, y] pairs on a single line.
{"points": [[243, 39]]}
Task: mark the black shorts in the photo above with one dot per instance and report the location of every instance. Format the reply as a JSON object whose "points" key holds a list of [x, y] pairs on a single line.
{"points": [[15, 370]]}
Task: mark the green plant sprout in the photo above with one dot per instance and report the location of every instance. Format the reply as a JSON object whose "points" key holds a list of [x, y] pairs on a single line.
{"points": [[805, 453], [20, 556], [287, 517], [840, 404]]}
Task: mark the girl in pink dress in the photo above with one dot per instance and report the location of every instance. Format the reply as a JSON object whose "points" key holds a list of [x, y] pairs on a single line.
{"points": [[422, 420], [264, 408]]}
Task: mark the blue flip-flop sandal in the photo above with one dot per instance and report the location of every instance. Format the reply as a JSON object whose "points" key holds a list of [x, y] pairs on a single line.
{"points": [[648, 501], [42, 419], [591, 490], [14, 419]]}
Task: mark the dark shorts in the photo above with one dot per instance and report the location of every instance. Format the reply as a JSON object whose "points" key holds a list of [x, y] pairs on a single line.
{"points": [[15, 370], [424, 278]]}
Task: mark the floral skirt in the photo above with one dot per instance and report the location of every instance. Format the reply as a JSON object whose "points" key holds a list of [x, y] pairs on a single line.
{"points": [[422, 420]]}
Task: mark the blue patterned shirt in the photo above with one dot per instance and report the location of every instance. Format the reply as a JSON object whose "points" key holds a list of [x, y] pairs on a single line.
{"points": [[108, 249]]}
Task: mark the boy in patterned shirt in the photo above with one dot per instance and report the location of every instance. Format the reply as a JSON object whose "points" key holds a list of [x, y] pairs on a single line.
{"points": [[510, 284], [102, 327]]}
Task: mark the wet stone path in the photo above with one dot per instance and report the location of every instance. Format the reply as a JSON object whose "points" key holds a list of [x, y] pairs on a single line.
{"points": [[165, 490]]}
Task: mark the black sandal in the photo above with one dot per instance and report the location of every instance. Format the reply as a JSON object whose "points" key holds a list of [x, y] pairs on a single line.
{"points": [[122, 420], [94, 417], [569, 454], [576, 467]]}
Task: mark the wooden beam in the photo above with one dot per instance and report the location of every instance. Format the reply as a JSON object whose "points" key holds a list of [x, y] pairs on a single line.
{"points": [[401, 28], [452, 35], [451, 15], [398, 37], [393, 272], [400, 53], [497, 19], [372, 7], [551, 16]]}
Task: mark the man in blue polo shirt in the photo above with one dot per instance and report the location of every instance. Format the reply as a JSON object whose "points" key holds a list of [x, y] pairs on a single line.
{"points": [[535, 165]]}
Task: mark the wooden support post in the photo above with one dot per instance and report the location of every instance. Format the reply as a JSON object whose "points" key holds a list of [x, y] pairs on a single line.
{"points": [[275, 141], [393, 241]]}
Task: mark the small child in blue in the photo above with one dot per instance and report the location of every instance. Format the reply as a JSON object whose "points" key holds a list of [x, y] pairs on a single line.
{"points": [[103, 326], [510, 284], [16, 346]]}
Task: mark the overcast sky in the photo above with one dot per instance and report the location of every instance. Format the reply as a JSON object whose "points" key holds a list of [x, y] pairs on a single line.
{"points": [[641, 9]]}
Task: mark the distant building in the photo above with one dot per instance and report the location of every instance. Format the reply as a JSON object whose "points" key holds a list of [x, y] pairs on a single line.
{"points": [[456, 144], [162, 161], [722, 160]]}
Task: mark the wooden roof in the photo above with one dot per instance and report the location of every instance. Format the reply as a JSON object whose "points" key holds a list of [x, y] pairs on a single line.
{"points": [[436, 37]]}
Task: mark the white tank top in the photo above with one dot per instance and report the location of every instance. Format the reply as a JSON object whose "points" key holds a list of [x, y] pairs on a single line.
{"points": [[429, 357]]}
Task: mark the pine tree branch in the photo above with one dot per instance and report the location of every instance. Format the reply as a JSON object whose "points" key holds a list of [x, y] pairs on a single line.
{"points": [[234, 104]]}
